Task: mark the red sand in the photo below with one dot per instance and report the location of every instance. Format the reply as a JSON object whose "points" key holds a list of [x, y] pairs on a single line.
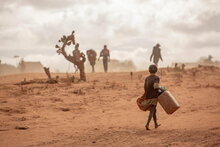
{"points": [[104, 111]]}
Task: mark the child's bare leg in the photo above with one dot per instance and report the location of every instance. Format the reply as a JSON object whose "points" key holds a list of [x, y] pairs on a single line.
{"points": [[155, 119], [152, 111]]}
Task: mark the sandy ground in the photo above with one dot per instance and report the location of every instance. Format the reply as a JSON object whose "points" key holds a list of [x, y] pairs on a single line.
{"points": [[103, 111]]}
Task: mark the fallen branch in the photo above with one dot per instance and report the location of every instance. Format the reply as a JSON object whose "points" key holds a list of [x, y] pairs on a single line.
{"points": [[50, 80]]}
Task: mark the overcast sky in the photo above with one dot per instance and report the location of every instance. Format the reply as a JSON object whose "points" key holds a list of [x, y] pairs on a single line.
{"points": [[186, 29]]}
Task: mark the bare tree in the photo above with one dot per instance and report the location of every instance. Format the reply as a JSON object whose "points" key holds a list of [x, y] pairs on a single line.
{"points": [[68, 40]]}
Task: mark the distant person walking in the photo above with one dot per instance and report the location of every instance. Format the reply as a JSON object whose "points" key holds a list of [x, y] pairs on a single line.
{"points": [[106, 57], [156, 54], [21, 66], [91, 55], [76, 53], [79, 58]]}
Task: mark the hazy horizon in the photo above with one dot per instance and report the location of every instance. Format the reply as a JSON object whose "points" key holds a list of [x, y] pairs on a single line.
{"points": [[186, 30]]}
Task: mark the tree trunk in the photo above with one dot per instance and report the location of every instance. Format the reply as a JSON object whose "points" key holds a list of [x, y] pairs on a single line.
{"points": [[47, 71]]}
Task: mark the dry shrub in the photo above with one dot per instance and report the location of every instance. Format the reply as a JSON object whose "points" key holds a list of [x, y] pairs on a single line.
{"points": [[54, 100], [12, 111], [79, 92]]}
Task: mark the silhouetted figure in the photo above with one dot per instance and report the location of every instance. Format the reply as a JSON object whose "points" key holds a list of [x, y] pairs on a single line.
{"points": [[91, 55], [76, 53], [106, 57], [168, 68], [183, 67], [176, 65], [21, 65], [131, 74], [194, 71], [210, 58], [78, 58], [156, 54], [79, 61]]}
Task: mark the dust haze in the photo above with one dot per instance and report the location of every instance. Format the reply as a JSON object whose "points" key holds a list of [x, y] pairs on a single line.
{"points": [[109, 73]]}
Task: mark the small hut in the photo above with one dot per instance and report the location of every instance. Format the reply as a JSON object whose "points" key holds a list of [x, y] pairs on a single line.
{"points": [[31, 67], [7, 69]]}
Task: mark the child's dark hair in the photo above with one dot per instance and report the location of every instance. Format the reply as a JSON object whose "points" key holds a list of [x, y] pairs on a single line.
{"points": [[152, 68]]}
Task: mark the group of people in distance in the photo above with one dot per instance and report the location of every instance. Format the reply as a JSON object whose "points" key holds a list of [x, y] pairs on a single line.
{"points": [[91, 55], [105, 54]]}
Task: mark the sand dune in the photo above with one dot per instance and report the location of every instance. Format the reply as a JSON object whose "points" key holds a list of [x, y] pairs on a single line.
{"points": [[103, 111]]}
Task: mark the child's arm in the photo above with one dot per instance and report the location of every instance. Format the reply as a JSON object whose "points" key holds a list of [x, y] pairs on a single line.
{"points": [[156, 83], [145, 89]]}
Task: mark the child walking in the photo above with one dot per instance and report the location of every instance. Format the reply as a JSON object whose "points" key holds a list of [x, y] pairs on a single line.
{"points": [[151, 93]]}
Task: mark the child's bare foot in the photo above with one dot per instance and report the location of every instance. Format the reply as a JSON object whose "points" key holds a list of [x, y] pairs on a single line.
{"points": [[157, 125], [147, 128]]}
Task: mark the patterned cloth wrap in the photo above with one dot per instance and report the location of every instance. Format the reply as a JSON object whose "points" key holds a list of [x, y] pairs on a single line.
{"points": [[144, 104]]}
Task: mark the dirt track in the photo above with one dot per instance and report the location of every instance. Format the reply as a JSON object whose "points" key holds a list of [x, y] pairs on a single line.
{"points": [[103, 111]]}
